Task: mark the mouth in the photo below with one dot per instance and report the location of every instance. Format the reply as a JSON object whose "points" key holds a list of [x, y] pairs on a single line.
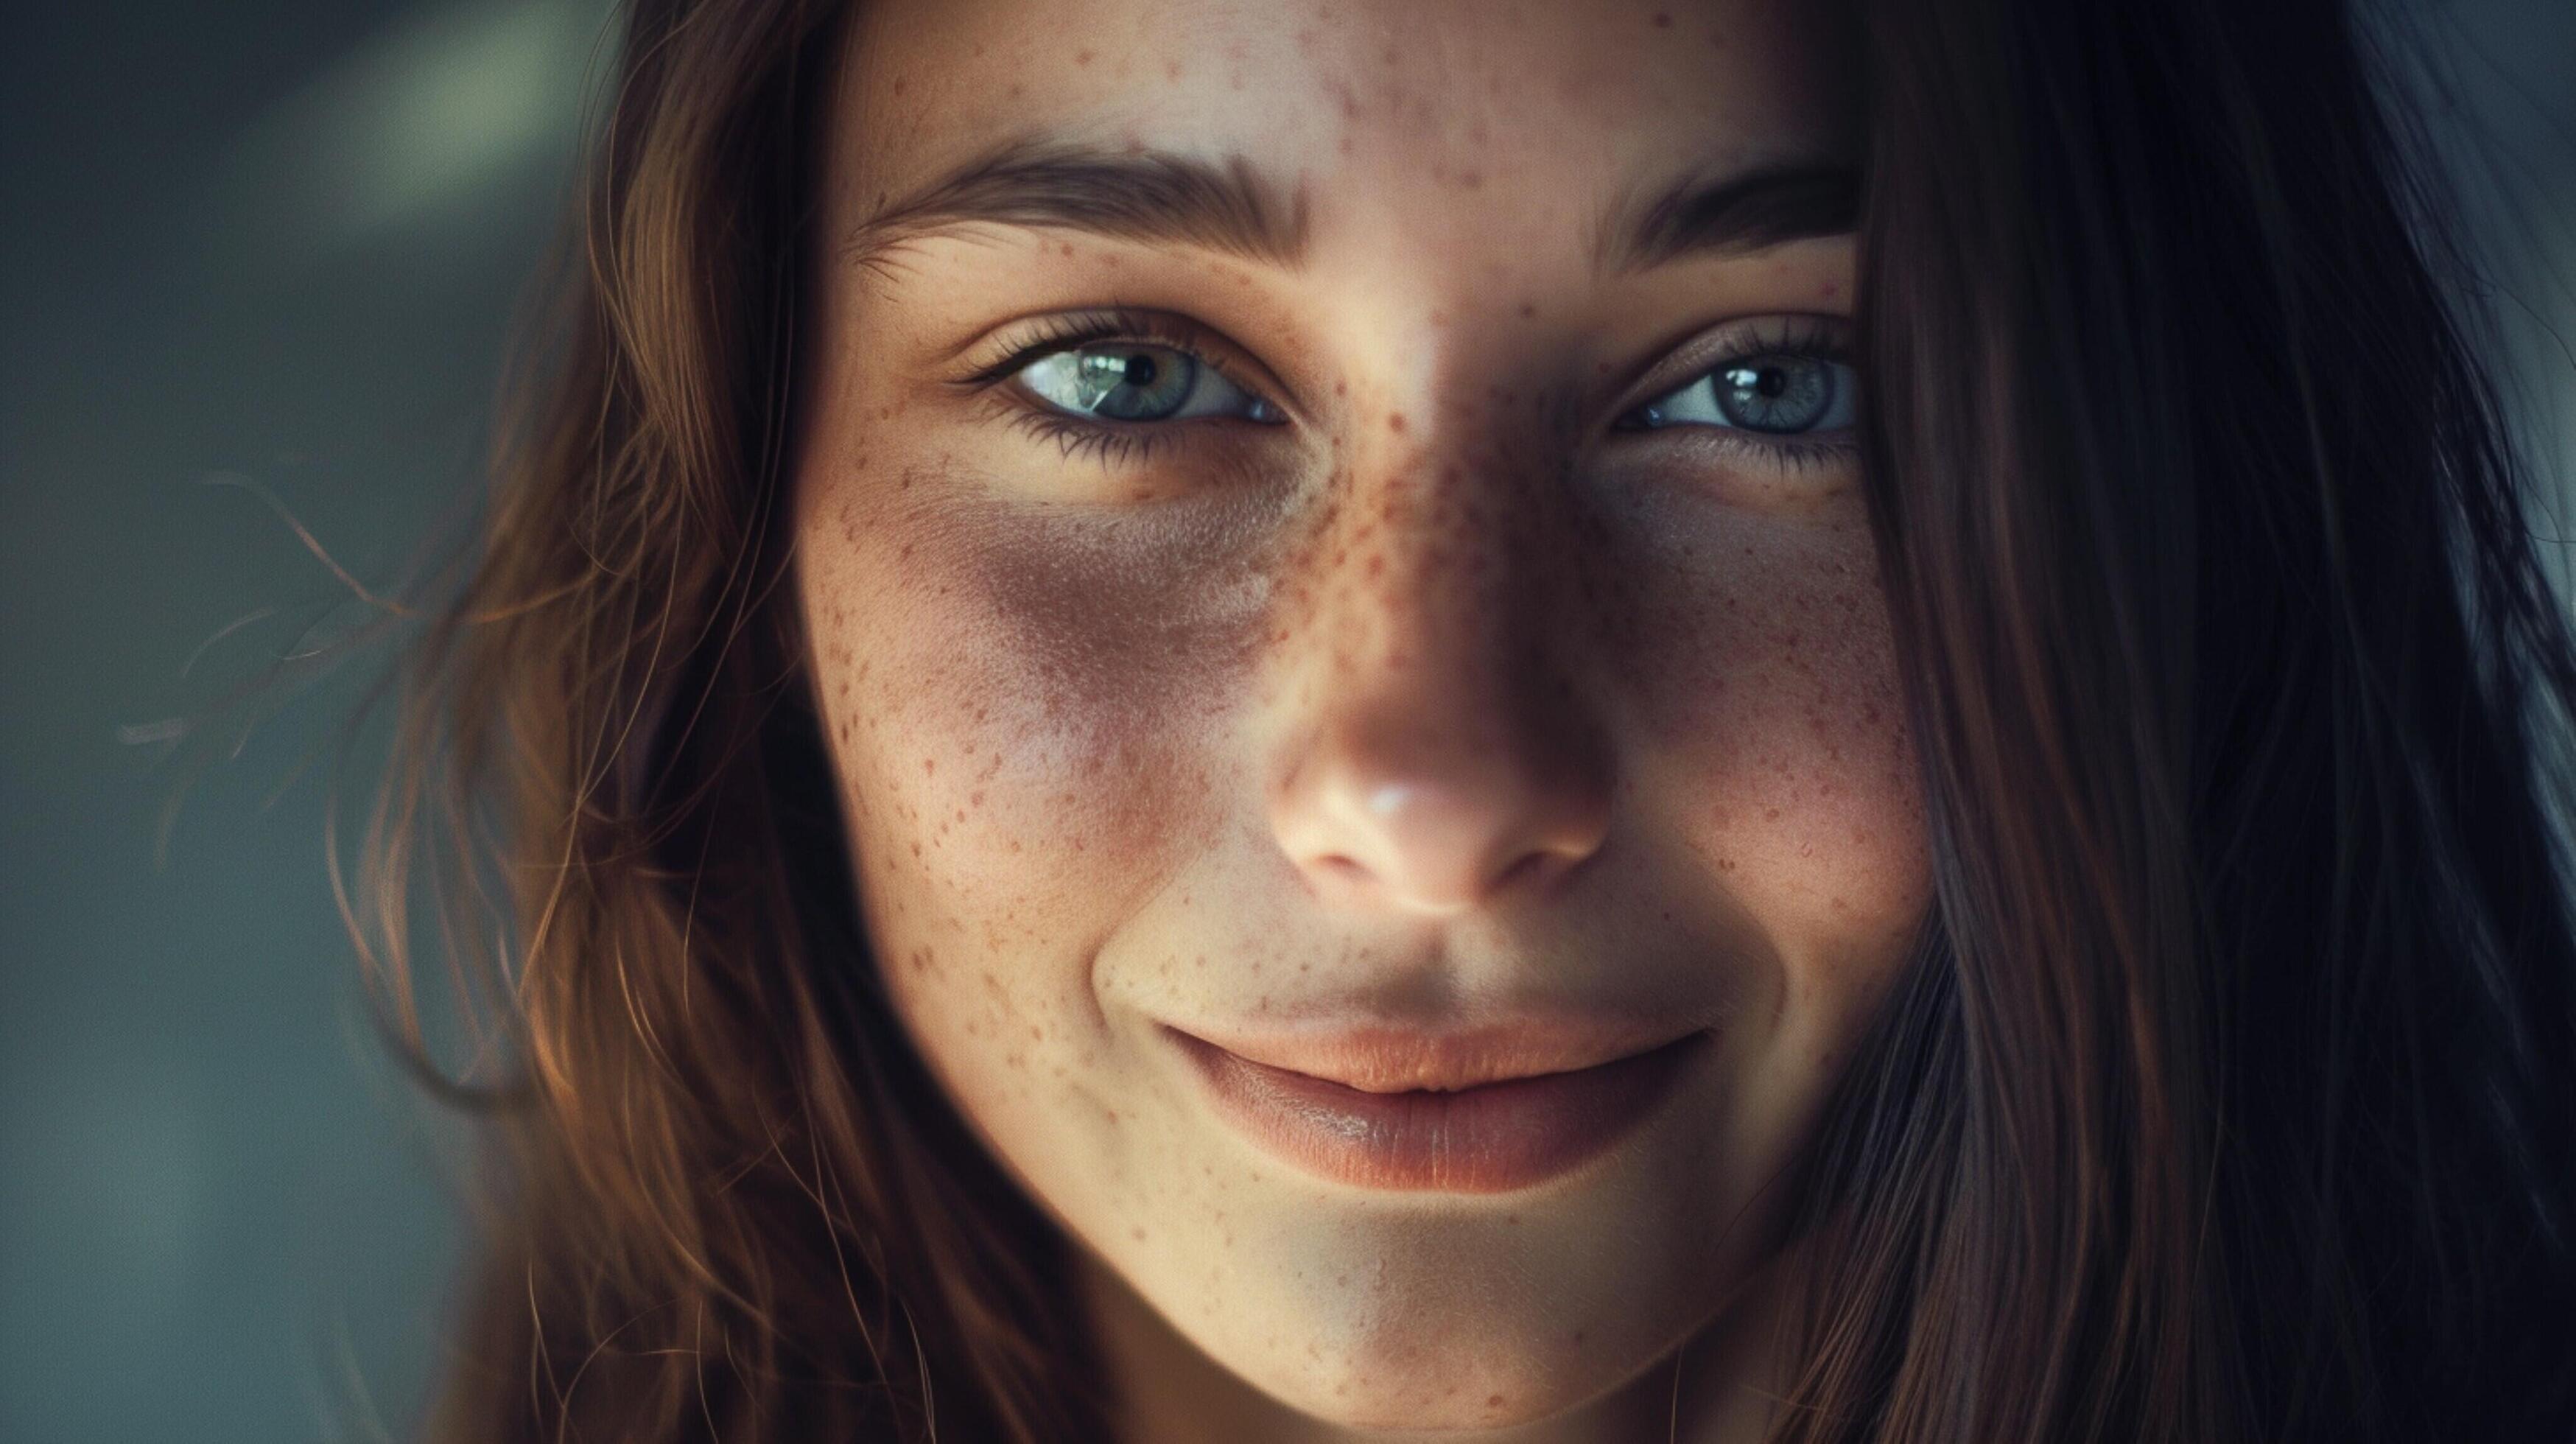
{"points": [[1487, 1134]]}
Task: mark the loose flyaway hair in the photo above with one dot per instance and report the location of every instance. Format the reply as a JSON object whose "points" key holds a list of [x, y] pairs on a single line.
{"points": [[2228, 1097]]}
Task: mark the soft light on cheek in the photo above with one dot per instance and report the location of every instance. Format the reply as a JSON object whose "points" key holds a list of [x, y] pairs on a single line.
{"points": [[1780, 726], [1026, 711]]}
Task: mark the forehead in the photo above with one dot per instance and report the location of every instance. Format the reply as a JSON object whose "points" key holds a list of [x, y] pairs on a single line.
{"points": [[1453, 119]]}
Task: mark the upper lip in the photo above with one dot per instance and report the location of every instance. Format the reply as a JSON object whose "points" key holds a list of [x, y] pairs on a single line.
{"points": [[1383, 1058]]}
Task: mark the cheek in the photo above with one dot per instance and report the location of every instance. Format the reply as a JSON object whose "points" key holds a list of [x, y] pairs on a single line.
{"points": [[1778, 732], [1024, 725]]}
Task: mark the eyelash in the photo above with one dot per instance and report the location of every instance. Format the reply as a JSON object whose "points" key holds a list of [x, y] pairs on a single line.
{"points": [[1790, 453], [1806, 337], [1086, 438], [1114, 445]]}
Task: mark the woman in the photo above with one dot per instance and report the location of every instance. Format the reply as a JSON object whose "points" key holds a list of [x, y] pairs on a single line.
{"points": [[1710, 721]]}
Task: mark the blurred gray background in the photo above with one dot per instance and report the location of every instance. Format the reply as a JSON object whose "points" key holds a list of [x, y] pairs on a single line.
{"points": [[270, 250]]}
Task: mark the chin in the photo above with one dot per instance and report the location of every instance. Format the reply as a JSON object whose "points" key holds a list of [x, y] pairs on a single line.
{"points": [[1456, 1352], [1431, 1382], [1409, 1317]]}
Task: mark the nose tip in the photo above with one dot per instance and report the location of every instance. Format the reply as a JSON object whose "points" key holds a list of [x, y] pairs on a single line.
{"points": [[1434, 829]]}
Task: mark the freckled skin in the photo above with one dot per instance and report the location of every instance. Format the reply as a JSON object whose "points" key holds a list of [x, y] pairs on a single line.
{"points": [[1091, 716]]}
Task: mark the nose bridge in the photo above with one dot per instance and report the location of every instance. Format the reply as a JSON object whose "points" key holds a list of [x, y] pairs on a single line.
{"points": [[1414, 561], [1429, 551], [1432, 759]]}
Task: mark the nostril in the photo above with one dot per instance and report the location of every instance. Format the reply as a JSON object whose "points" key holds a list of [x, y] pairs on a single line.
{"points": [[1528, 867], [1346, 868]]}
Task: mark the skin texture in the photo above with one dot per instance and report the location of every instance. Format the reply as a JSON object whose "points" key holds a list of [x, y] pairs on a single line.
{"points": [[1439, 702]]}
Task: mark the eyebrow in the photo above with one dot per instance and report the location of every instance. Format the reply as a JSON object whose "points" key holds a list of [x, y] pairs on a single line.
{"points": [[1139, 195], [1227, 205], [1745, 211]]}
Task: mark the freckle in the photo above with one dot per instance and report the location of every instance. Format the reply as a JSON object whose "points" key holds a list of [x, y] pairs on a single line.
{"points": [[1494, 1402], [1395, 422], [1016, 92], [1082, 57], [1529, 311], [928, 766], [1663, 21], [898, 85], [1139, 1235]]}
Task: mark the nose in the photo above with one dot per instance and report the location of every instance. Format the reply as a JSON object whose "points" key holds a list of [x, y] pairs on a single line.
{"points": [[1384, 809], [1435, 768]]}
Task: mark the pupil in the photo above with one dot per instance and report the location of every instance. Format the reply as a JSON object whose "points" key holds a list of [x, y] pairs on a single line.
{"points": [[1770, 381], [1140, 371]]}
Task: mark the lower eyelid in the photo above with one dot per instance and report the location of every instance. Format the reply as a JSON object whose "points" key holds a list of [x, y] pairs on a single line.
{"points": [[1799, 453], [1742, 446], [1076, 436], [1125, 443], [1104, 437]]}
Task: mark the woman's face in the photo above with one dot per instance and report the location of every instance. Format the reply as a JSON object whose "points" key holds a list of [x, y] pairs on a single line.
{"points": [[1340, 592]]}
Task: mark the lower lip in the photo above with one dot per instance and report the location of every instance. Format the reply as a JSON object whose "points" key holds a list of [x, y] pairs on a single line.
{"points": [[1488, 1139]]}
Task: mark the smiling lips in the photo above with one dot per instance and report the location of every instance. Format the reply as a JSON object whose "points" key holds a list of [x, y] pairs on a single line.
{"points": [[1422, 1116]]}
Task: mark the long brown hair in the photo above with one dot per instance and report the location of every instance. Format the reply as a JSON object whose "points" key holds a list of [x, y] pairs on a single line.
{"points": [[2232, 1099]]}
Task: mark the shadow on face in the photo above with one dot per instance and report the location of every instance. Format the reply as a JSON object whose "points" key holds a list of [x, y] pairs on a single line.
{"points": [[1340, 592]]}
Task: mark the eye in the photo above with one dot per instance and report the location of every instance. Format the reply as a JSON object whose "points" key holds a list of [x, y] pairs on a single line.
{"points": [[1136, 381], [1779, 394]]}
